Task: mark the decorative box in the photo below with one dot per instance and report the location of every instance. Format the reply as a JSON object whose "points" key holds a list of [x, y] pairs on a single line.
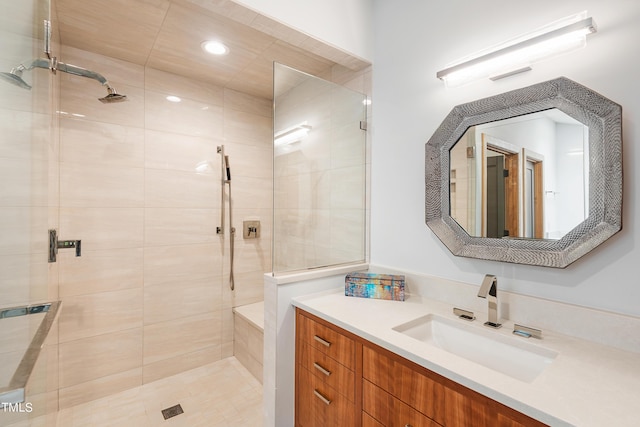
{"points": [[372, 285]]}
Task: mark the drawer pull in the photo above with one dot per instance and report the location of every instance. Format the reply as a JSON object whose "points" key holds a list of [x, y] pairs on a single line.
{"points": [[322, 341], [321, 397], [321, 369], [408, 425]]}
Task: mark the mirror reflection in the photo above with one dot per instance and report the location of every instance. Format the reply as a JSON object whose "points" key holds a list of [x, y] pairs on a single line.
{"points": [[524, 177]]}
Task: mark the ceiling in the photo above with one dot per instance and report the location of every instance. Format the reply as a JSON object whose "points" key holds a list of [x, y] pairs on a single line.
{"points": [[167, 34]]}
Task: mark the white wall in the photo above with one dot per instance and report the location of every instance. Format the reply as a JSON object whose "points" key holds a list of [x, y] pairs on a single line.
{"points": [[346, 24], [412, 41]]}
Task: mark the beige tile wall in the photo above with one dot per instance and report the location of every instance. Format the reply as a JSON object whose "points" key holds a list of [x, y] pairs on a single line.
{"points": [[149, 297]]}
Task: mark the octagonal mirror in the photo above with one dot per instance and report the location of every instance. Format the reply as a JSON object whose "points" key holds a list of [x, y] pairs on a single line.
{"points": [[532, 176]]}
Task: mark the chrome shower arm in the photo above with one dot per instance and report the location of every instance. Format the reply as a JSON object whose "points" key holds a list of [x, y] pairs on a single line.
{"points": [[82, 72]]}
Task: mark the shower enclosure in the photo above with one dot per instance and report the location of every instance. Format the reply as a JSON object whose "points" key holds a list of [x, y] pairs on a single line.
{"points": [[28, 200], [319, 173]]}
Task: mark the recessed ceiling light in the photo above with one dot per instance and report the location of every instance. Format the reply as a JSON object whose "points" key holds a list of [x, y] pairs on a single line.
{"points": [[214, 47], [173, 98]]}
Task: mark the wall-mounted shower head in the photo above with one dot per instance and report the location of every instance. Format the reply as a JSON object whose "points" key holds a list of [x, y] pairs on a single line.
{"points": [[113, 96], [15, 76]]}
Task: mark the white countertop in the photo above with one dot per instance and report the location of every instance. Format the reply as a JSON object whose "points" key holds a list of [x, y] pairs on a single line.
{"points": [[588, 384]]}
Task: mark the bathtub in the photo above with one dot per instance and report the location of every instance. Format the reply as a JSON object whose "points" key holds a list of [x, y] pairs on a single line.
{"points": [[248, 337]]}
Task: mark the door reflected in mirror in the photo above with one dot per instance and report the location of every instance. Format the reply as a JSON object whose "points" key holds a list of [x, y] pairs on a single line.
{"points": [[525, 177]]}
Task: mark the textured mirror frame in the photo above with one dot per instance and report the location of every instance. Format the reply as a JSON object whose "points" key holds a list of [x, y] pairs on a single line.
{"points": [[604, 119]]}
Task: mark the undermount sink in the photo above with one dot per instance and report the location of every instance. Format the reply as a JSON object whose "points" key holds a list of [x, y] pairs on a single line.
{"points": [[509, 355]]}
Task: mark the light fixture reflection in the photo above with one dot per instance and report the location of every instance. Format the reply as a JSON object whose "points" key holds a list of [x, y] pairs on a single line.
{"points": [[292, 134], [517, 55], [173, 98]]}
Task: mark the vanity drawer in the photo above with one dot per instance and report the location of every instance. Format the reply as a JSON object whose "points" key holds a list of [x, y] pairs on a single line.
{"points": [[369, 421], [332, 373], [386, 410], [317, 404], [417, 390], [327, 340]]}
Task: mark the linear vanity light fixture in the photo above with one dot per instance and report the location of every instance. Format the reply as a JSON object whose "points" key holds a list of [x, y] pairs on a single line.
{"points": [[292, 134], [517, 55]]}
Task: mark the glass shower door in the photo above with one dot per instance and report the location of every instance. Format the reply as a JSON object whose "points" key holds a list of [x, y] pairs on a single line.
{"points": [[319, 168], [28, 207]]}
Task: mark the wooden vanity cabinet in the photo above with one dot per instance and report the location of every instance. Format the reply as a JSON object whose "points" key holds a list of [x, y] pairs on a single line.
{"points": [[328, 374], [370, 386]]}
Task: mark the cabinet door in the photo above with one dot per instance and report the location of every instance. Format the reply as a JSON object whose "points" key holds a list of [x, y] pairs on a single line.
{"points": [[394, 375], [467, 408], [389, 411], [334, 374], [369, 421], [320, 405], [325, 338]]}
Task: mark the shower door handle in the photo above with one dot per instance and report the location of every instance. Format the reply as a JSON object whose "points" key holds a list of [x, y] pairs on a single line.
{"points": [[55, 244]]}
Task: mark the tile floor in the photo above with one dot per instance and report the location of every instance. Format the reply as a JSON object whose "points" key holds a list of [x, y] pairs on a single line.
{"points": [[221, 394]]}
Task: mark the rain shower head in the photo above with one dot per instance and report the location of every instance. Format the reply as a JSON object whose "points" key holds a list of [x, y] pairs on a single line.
{"points": [[15, 76]]}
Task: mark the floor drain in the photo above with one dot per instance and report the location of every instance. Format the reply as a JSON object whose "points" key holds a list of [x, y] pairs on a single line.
{"points": [[172, 411]]}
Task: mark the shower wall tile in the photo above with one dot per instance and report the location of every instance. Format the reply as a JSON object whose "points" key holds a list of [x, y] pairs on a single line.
{"points": [[80, 101], [87, 185], [25, 182], [184, 362], [16, 225], [251, 193], [99, 356], [100, 271], [178, 265], [180, 299], [240, 101], [178, 337], [351, 181], [103, 228], [250, 161], [169, 226], [101, 387], [25, 135], [252, 255], [114, 70], [178, 189], [22, 278], [85, 316], [183, 87], [248, 128], [188, 117], [104, 144], [248, 290], [165, 150]]}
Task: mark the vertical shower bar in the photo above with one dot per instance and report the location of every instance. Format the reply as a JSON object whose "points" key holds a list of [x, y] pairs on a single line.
{"points": [[220, 150], [226, 179]]}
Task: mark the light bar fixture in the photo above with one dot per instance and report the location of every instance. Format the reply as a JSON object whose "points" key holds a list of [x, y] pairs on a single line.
{"points": [[517, 55], [292, 134]]}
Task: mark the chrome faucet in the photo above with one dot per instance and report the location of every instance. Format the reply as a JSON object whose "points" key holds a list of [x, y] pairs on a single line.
{"points": [[489, 290]]}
